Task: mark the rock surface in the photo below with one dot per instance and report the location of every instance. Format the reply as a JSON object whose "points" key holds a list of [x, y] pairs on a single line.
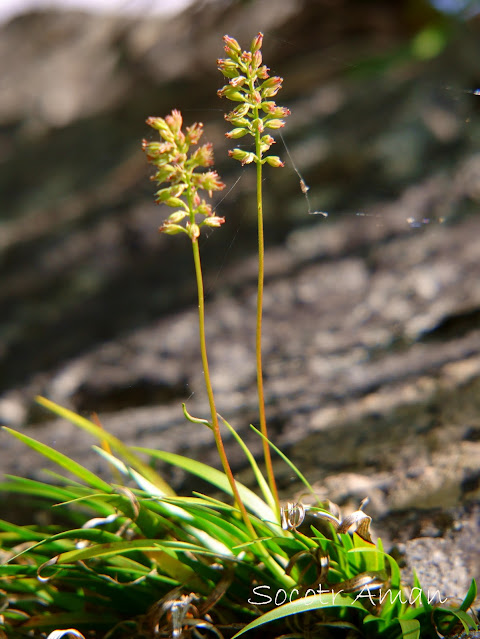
{"points": [[371, 329]]}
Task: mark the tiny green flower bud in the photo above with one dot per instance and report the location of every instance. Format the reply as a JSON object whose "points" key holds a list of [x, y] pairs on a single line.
{"points": [[242, 156], [174, 201], [264, 147], [271, 87], [176, 217], [164, 174], [229, 92], [240, 122], [236, 133], [171, 229], [172, 191], [267, 139], [274, 160], [257, 125], [274, 124], [228, 67], [157, 123], [193, 231], [203, 209], [213, 220], [239, 111], [268, 106]]}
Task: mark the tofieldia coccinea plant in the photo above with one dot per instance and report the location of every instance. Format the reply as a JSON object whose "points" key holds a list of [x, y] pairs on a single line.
{"points": [[140, 561]]}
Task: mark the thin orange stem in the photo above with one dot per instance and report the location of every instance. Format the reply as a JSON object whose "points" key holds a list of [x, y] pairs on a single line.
{"points": [[258, 338], [208, 384]]}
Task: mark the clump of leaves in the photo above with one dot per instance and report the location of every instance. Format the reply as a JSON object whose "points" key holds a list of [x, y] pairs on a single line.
{"points": [[145, 562], [139, 560]]}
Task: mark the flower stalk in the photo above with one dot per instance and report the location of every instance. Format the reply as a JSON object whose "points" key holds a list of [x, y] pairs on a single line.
{"points": [[177, 165], [250, 84]]}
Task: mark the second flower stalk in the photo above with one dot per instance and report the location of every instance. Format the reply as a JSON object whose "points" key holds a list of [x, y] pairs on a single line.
{"points": [[250, 84]]}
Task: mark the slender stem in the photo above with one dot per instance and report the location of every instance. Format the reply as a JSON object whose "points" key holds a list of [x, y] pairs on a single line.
{"points": [[208, 384], [258, 337]]}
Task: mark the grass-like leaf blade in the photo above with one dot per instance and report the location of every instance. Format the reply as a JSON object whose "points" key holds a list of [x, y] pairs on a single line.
{"points": [[114, 442], [215, 477], [305, 604], [62, 460]]}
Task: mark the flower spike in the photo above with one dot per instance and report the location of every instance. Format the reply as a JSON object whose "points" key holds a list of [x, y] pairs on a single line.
{"points": [[177, 166], [251, 85]]}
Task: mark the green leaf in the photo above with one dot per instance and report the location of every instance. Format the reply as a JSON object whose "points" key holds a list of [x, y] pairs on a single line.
{"points": [[262, 483], [38, 489], [82, 619], [23, 532], [290, 464], [62, 460], [446, 620], [304, 604], [121, 547], [115, 443], [470, 596], [216, 478], [410, 628]]}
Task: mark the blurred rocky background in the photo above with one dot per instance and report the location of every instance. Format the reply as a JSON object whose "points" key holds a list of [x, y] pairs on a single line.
{"points": [[372, 341]]}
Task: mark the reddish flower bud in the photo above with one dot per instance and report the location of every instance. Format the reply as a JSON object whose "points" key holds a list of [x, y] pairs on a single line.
{"points": [[257, 59], [238, 81], [275, 111], [231, 45], [228, 67], [174, 121], [257, 43], [262, 73], [208, 181], [203, 156], [194, 133]]}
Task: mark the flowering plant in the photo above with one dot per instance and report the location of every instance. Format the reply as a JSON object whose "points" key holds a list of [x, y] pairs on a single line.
{"points": [[151, 564]]}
